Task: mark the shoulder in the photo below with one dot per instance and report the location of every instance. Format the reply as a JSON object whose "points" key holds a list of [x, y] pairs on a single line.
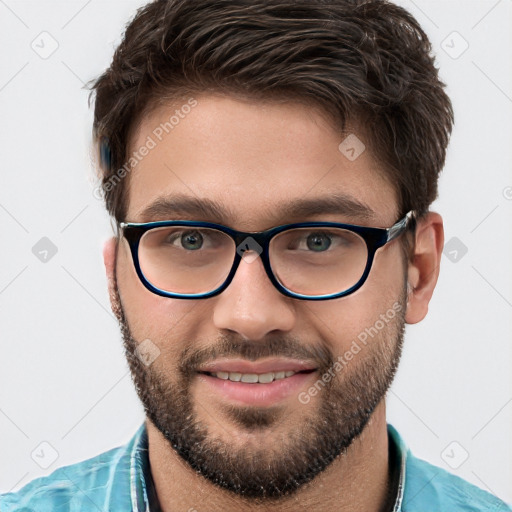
{"points": [[82, 486], [428, 488]]}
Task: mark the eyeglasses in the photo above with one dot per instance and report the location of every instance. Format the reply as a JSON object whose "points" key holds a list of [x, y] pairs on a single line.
{"points": [[308, 260]]}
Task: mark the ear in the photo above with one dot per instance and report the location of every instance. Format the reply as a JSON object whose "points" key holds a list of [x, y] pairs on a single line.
{"points": [[109, 259], [423, 269]]}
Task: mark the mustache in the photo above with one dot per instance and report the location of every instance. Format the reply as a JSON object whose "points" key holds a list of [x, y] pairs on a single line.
{"points": [[231, 347]]}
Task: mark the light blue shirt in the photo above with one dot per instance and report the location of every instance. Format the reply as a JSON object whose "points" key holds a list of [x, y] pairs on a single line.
{"points": [[120, 480]]}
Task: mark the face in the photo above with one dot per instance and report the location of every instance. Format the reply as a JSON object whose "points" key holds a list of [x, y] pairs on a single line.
{"points": [[260, 439]]}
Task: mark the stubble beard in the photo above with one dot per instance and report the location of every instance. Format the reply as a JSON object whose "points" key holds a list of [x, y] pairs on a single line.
{"points": [[267, 470]]}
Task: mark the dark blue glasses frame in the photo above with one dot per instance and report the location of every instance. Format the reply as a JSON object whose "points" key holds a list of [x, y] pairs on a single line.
{"points": [[374, 238]]}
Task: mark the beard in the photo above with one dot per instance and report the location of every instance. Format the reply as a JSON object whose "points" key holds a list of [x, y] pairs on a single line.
{"points": [[267, 467]]}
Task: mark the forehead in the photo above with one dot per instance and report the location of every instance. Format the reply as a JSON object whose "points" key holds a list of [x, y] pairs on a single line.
{"points": [[253, 165]]}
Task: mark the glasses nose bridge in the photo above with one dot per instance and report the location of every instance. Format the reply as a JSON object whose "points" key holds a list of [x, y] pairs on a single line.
{"points": [[246, 240], [258, 242]]}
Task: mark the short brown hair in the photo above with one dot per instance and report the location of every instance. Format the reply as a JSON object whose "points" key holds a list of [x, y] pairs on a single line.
{"points": [[367, 60]]}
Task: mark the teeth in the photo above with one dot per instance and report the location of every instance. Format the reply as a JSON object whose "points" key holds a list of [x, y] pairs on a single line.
{"points": [[262, 378], [249, 377], [265, 378]]}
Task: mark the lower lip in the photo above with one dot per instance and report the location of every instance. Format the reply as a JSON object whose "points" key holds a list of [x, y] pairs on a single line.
{"points": [[255, 393]]}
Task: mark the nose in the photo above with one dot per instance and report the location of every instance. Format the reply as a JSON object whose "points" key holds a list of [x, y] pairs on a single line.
{"points": [[251, 305]]}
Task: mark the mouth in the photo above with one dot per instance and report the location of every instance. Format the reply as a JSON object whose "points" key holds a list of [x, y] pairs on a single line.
{"points": [[253, 378], [260, 384]]}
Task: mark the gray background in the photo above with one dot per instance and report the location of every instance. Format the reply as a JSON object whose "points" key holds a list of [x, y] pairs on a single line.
{"points": [[63, 378]]}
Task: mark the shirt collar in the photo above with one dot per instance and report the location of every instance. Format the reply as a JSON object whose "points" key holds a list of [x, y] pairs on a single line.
{"points": [[401, 458], [142, 489]]}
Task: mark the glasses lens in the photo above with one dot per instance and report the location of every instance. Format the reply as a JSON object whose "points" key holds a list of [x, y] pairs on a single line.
{"points": [[185, 259], [318, 261]]}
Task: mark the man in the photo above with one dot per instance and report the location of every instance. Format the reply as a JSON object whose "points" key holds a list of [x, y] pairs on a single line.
{"points": [[269, 166]]}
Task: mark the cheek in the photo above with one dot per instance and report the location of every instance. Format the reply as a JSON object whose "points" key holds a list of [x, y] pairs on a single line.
{"points": [[341, 321], [160, 319]]}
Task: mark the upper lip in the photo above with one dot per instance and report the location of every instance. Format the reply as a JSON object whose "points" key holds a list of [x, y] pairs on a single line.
{"points": [[264, 366]]}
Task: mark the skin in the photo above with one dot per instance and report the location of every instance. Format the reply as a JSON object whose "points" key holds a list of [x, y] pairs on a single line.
{"points": [[252, 157]]}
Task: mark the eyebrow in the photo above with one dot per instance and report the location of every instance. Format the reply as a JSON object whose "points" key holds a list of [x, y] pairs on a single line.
{"points": [[180, 207]]}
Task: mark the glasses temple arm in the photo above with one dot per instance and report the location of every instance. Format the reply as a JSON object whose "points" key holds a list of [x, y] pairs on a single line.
{"points": [[399, 227]]}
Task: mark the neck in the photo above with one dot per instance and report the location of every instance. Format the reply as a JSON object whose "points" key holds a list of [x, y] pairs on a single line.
{"points": [[356, 480]]}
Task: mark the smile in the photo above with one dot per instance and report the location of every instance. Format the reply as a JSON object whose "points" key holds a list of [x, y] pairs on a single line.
{"points": [[253, 378]]}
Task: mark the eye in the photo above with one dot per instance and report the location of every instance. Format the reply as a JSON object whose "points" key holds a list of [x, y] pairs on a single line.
{"points": [[318, 242], [190, 240], [321, 241]]}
